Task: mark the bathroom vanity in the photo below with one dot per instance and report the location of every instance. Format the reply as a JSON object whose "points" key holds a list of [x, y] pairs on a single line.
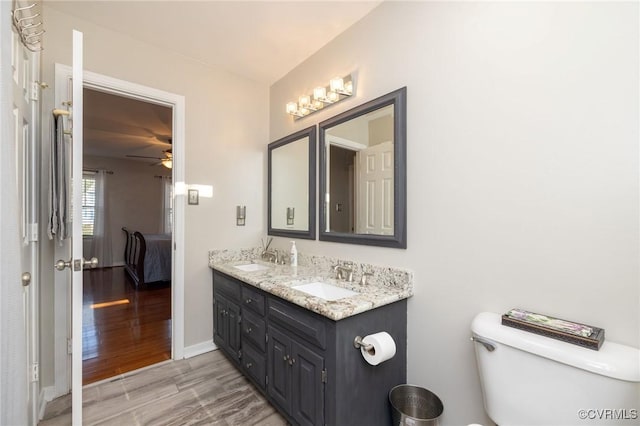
{"points": [[298, 349]]}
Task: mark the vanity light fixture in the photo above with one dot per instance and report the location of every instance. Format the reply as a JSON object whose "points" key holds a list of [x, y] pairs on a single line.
{"points": [[338, 89]]}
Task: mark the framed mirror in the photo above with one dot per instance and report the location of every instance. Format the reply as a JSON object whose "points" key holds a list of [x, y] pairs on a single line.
{"points": [[363, 176], [292, 185]]}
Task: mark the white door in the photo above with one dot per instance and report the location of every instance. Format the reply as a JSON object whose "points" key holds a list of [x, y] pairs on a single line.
{"points": [[75, 262], [24, 64], [76, 232], [374, 213]]}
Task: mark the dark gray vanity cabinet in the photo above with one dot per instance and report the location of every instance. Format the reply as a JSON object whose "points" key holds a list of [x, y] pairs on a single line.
{"points": [[305, 363]]}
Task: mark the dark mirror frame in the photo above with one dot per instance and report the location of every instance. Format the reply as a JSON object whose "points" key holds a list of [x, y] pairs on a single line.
{"points": [[309, 234], [398, 99]]}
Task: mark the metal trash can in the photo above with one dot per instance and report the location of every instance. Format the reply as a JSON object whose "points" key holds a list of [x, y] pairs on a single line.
{"points": [[413, 405]]}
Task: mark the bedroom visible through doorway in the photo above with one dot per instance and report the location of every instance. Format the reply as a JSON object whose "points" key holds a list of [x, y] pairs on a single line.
{"points": [[127, 223]]}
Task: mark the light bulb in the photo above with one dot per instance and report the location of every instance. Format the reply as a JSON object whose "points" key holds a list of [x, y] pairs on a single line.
{"points": [[304, 101], [336, 84], [292, 107], [319, 93]]}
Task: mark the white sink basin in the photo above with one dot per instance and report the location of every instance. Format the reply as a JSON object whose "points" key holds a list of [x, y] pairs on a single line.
{"points": [[325, 291], [251, 267]]}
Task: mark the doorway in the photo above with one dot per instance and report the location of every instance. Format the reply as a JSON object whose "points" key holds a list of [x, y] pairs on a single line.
{"points": [[129, 90], [127, 185]]}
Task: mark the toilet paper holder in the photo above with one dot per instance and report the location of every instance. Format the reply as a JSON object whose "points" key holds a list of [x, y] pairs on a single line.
{"points": [[358, 343]]}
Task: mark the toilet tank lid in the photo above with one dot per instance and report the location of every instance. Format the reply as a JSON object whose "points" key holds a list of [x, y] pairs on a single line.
{"points": [[612, 360]]}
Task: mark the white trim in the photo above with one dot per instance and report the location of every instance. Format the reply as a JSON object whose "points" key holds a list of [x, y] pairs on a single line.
{"points": [[125, 375], [177, 102], [47, 394], [345, 143], [199, 349]]}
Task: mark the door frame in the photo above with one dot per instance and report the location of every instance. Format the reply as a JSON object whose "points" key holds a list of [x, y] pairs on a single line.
{"points": [[61, 296]]}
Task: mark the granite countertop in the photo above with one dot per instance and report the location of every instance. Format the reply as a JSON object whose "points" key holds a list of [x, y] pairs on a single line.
{"points": [[385, 286]]}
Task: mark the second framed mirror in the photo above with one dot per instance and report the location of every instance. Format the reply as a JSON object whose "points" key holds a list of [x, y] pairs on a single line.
{"points": [[363, 174]]}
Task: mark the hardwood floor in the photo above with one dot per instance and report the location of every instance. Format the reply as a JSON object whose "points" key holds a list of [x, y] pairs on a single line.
{"points": [[203, 390], [123, 329]]}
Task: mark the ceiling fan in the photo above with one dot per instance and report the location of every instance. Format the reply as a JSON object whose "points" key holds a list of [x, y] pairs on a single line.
{"points": [[166, 161]]}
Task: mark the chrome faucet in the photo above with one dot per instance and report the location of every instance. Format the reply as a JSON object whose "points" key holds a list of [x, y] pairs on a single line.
{"points": [[270, 255], [364, 278], [344, 272]]}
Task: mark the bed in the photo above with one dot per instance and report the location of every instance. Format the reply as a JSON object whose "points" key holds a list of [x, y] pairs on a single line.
{"points": [[147, 257]]}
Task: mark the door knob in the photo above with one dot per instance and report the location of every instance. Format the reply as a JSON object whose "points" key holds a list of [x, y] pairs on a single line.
{"points": [[91, 263], [26, 279], [61, 264]]}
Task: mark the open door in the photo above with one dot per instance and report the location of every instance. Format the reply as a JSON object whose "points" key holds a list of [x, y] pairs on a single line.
{"points": [[23, 330], [76, 263]]}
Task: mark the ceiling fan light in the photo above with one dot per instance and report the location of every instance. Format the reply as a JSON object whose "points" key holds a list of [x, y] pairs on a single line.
{"points": [[168, 163]]}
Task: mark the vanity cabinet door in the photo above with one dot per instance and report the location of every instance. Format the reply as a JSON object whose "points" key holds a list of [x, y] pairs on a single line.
{"points": [[307, 387], [226, 326], [278, 372], [295, 378]]}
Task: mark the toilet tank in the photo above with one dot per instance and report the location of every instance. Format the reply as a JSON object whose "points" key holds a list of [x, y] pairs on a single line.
{"points": [[534, 380]]}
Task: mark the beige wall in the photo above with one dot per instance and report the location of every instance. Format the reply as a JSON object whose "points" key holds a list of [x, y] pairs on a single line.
{"points": [[522, 167], [226, 137]]}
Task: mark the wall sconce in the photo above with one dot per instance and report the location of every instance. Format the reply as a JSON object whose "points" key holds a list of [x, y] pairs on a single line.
{"points": [[338, 89], [241, 214], [291, 211]]}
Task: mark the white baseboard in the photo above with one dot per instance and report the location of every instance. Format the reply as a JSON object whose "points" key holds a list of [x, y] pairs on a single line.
{"points": [[199, 349], [46, 394]]}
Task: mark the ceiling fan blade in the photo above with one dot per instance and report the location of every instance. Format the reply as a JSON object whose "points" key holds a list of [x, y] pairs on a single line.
{"points": [[145, 156]]}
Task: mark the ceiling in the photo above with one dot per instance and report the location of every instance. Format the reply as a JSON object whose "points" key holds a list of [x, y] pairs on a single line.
{"points": [[115, 126], [261, 40]]}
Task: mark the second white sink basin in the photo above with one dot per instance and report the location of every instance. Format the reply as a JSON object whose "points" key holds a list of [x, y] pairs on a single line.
{"points": [[251, 267], [325, 291]]}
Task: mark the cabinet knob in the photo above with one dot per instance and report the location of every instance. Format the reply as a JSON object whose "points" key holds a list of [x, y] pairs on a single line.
{"points": [[286, 358], [248, 365], [292, 361], [248, 301], [249, 330]]}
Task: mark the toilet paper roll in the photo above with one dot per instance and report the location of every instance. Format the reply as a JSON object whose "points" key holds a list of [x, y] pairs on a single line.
{"points": [[383, 347]]}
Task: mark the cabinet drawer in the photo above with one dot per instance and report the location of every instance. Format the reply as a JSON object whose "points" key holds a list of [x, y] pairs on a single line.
{"points": [[253, 330], [227, 286], [299, 321], [253, 299], [254, 365]]}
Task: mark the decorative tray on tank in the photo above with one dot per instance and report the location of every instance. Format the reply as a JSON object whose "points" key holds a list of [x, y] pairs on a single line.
{"points": [[568, 331]]}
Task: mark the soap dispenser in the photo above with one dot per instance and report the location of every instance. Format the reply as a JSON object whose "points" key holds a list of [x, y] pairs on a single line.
{"points": [[293, 254]]}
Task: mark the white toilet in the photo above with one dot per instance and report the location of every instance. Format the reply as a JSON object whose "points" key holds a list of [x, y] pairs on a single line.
{"points": [[529, 379]]}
